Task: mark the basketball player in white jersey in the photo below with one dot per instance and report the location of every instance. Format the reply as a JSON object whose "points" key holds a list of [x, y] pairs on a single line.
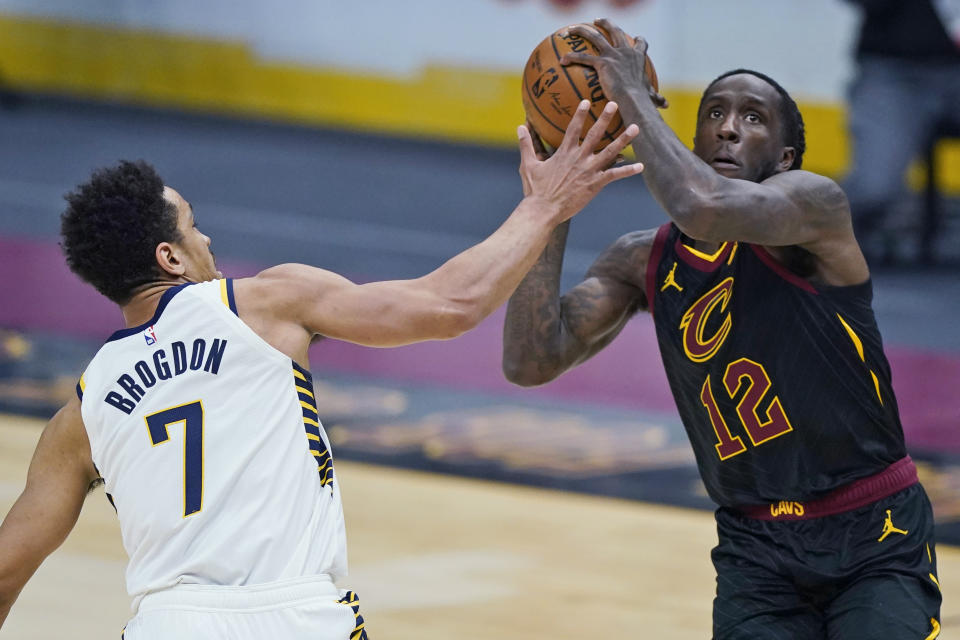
{"points": [[199, 416]]}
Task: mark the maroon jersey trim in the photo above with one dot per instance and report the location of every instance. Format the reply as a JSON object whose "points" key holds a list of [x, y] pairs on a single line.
{"points": [[782, 271], [897, 477], [653, 263], [698, 261]]}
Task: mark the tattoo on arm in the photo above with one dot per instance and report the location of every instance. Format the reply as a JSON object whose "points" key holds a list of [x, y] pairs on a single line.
{"points": [[545, 334]]}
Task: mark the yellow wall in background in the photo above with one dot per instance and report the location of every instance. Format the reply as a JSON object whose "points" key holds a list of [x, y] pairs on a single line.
{"points": [[458, 104]]}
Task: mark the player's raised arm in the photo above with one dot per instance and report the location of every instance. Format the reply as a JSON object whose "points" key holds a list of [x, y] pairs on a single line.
{"points": [[61, 473], [458, 295], [734, 184]]}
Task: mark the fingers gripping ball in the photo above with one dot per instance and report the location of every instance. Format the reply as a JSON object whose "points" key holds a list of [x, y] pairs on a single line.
{"points": [[551, 91]]}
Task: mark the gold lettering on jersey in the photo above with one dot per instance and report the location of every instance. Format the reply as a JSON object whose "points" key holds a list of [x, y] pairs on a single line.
{"points": [[670, 280], [786, 507], [694, 322]]}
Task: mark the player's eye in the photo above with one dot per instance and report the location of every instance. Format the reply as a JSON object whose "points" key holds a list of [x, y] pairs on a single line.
{"points": [[753, 118], [716, 114]]}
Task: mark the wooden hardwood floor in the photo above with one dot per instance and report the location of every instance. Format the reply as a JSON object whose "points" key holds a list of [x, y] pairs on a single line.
{"points": [[439, 557]]}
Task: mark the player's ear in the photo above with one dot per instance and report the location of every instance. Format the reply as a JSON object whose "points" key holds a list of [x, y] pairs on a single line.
{"points": [[786, 159], [168, 259]]}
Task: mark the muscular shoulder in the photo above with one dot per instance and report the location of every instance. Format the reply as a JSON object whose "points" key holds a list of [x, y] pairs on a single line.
{"points": [[276, 304], [827, 227], [625, 260], [282, 289], [821, 200]]}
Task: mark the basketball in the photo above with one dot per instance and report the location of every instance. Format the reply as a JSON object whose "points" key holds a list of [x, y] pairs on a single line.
{"points": [[552, 91]]}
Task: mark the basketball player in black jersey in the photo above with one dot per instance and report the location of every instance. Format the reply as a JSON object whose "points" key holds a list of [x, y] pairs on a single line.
{"points": [[761, 300]]}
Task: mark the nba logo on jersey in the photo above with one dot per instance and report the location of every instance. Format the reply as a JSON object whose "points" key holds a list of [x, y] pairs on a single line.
{"points": [[150, 336]]}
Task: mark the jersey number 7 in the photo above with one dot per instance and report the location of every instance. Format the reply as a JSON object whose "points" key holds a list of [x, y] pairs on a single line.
{"points": [[191, 415]]}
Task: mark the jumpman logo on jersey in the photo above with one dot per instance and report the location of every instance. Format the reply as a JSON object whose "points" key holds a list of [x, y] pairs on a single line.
{"points": [[888, 528], [670, 281]]}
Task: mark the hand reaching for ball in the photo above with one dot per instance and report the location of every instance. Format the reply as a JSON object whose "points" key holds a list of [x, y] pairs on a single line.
{"points": [[551, 88], [621, 61], [574, 174]]}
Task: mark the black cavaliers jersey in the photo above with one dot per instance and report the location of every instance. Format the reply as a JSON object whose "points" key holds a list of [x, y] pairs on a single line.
{"points": [[783, 387]]}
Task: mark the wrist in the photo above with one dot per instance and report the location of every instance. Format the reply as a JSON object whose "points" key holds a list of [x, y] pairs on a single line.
{"points": [[542, 209], [638, 106]]}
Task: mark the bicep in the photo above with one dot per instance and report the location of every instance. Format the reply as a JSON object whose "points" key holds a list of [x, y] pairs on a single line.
{"points": [[379, 314], [596, 310]]}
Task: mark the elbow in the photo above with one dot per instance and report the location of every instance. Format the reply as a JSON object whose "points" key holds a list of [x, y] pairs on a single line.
{"points": [[524, 374], [696, 216], [696, 207], [456, 320]]}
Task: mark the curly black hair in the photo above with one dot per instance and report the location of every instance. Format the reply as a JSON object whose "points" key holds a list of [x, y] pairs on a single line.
{"points": [[791, 119], [112, 226]]}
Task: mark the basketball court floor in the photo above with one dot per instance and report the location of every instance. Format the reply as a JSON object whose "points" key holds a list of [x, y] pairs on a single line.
{"points": [[436, 557]]}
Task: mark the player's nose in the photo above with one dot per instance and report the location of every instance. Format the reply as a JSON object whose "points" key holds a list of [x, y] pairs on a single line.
{"points": [[727, 129]]}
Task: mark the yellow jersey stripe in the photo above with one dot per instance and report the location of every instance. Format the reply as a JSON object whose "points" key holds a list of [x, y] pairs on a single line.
{"points": [[297, 374], [935, 581], [929, 557], [310, 436], [853, 336], [936, 629], [223, 292], [876, 385], [306, 391], [733, 252], [701, 254], [83, 385], [311, 421]]}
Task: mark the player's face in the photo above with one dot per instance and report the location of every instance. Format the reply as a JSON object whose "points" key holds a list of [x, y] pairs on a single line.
{"points": [[739, 129], [194, 247]]}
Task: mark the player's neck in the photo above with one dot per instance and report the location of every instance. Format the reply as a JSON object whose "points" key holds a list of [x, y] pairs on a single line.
{"points": [[141, 307], [702, 246]]}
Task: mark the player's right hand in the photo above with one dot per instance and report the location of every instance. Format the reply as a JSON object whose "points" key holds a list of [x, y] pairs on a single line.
{"points": [[574, 174]]}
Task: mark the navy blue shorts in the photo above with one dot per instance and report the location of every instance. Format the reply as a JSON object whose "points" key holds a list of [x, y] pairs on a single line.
{"points": [[866, 573]]}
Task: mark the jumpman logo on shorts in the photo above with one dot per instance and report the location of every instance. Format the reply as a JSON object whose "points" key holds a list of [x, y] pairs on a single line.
{"points": [[670, 281], [888, 528]]}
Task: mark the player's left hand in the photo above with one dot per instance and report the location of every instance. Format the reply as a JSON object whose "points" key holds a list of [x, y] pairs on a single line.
{"points": [[619, 64]]}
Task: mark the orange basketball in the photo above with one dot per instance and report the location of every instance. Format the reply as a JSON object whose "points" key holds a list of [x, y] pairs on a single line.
{"points": [[552, 91]]}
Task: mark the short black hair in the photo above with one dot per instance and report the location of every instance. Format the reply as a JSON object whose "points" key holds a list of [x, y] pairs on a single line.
{"points": [[112, 226], [792, 121]]}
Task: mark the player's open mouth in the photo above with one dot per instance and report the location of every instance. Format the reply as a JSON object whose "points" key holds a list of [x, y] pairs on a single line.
{"points": [[724, 162]]}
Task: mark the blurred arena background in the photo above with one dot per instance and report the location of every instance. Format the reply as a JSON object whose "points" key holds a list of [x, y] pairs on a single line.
{"points": [[376, 138]]}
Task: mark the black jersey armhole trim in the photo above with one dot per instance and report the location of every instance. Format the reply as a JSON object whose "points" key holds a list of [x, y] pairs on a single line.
{"points": [[767, 258]]}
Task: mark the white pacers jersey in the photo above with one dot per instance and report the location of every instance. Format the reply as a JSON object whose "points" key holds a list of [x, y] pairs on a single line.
{"points": [[211, 449]]}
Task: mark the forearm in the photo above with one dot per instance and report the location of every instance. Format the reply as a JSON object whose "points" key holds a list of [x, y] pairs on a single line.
{"points": [[8, 595], [21, 552], [677, 179], [40, 520], [479, 280], [533, 329]]}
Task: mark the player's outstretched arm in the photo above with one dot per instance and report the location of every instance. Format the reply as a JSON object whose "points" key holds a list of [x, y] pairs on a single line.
{"points": [[61, 473], [458, 295]]}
